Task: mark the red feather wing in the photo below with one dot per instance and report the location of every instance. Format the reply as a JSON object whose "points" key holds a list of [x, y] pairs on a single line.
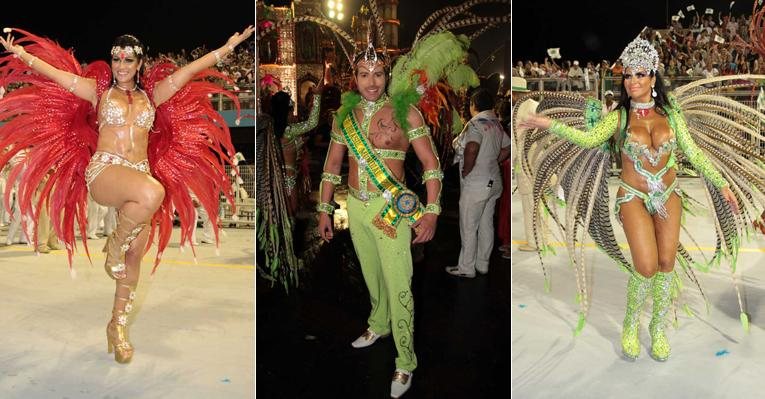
{"points": [[189, 146], [57, 128]]}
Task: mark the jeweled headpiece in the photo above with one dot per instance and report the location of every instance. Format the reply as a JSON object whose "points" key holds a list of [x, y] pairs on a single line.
{"points": [[640, 54], [127, 51], [369, 57]]}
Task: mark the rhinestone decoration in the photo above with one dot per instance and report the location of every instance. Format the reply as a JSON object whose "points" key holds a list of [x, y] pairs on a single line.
{"points": [[640, 54]]}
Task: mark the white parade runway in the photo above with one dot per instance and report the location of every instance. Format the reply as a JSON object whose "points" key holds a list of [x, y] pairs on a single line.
{"points": [[192, 325], [712, 356]]}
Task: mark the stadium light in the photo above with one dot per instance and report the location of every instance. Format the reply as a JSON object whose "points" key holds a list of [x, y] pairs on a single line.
{"points": [[335, 9]]}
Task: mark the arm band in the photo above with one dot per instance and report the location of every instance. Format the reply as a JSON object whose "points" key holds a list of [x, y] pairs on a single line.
{"points": [[337, 137], [433, 208], [325, 208], [332, 178], [432, 174], [417, 132]]}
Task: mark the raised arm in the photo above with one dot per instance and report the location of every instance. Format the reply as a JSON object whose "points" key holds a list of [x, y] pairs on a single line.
{"points": [[296, 129], [329, 179], [84, 88], [592, 138], [168, 86], [422, 143]]}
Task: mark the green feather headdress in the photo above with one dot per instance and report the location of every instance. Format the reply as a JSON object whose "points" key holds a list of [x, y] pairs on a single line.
{"points": [[439, 56]]}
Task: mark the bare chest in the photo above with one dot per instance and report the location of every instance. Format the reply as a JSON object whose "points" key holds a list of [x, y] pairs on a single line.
{"points": [[383, 132]]}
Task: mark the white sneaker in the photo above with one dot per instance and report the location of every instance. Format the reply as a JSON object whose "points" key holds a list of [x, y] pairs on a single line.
{"points": [[455, 271], [527, 248], [366, 339], [401, 382]]}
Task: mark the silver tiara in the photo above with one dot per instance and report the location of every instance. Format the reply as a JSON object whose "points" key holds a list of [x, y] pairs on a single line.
{"points": [[640, 54], [369, 56], [129, 50]]}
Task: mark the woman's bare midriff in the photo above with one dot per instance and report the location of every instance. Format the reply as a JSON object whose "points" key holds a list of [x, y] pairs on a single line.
{"points": [[116, 140]]}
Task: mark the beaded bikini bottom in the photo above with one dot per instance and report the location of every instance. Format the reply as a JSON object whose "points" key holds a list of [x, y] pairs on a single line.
{"points": [[101, 160]]}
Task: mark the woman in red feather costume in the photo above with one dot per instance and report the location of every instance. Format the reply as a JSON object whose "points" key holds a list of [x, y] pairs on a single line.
{"points": [[134, 141]]}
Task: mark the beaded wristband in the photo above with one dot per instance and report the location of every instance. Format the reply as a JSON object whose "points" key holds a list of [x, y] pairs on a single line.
{"points": [[332, 178], [74, 84], [432, 174], [218, 60], [325, 208], [31, 61], [433, 208]]}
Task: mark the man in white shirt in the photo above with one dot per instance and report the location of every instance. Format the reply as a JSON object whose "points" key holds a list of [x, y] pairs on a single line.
{"points": [[608, 102], [485, 145], [577, 76]]}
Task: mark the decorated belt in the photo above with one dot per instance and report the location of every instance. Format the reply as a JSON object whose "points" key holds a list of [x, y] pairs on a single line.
{"points": [[400, 201]]}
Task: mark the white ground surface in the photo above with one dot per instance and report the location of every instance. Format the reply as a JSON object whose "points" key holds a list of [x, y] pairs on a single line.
{"points": [[712, 355], [192, 326]]}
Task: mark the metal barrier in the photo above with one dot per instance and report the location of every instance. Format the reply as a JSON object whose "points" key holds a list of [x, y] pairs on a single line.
{"points": [[244, 198], [223, 103]]}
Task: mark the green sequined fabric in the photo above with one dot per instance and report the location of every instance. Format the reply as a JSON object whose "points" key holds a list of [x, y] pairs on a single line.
{"points": [[296, 129], [637, 292], [592, 138], [662, 299]]}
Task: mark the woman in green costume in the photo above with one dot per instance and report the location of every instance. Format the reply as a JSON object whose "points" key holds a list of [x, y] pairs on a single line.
{"points": [[649, 128]]}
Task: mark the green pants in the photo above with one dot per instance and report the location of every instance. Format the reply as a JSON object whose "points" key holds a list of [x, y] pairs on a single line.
{"points": [[387, 267]]}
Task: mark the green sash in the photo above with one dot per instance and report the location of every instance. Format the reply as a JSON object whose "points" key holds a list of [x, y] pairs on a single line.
{"points": [[401, 202]]}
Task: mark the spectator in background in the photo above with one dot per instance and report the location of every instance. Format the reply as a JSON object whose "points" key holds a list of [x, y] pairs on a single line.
{"points": [[505, 112], [576, 75], [485, 144], [608, 103]]}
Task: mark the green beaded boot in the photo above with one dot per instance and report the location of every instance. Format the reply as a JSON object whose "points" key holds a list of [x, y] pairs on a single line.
{"points": [[662, 298], [637, 291]]}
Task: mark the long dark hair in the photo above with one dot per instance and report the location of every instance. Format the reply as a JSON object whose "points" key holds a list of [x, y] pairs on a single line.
{"points": [[661, 99], [280, 110], [130, 41]]}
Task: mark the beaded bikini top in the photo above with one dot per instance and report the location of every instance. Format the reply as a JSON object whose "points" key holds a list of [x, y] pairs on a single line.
{"points": [[113, 113], [635, 150]]}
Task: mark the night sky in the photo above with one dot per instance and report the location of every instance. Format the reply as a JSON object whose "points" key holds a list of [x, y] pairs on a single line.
{"points": [[91, 26], [413, 13], [591, 30]]}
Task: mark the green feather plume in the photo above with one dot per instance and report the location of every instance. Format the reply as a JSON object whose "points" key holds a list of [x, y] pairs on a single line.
{"points": [[348, 101], [441, 56]]}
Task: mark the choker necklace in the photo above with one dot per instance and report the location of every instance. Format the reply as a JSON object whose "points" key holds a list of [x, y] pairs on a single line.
{"points": [[370, 107], [642, 109], [127, 91]]}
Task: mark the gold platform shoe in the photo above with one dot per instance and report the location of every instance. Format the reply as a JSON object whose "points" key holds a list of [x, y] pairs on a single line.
{"points": [[117, 331]]}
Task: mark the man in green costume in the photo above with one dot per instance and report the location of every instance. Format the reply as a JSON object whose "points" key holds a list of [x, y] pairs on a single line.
{"points": [[381, 210]]}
